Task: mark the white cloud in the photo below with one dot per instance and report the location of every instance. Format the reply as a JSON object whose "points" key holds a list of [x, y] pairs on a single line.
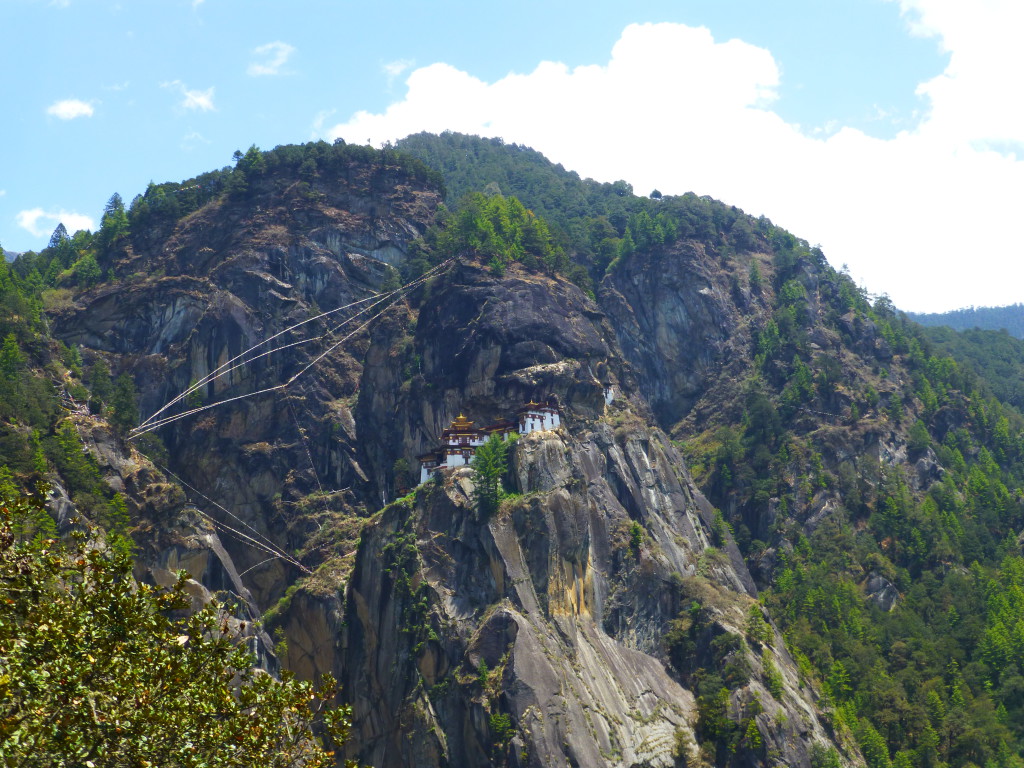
{"points": [[319, 121], [270, 58], [69, 109], [192, 99], [928, 216], [3, 192], [974, 99], [395, 68], [60, 3], [41, 223]]}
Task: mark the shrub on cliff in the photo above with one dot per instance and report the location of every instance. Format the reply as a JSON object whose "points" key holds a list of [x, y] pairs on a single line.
{"points": [[95, 672]]}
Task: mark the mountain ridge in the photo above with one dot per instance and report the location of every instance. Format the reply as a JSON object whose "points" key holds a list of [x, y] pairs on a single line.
{"points": [[1009, 318], [772, 430]]}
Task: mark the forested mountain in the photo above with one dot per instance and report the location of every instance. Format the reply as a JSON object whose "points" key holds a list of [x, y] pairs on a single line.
{"points": [[996, 356], [779, 525], [1009, 319]]}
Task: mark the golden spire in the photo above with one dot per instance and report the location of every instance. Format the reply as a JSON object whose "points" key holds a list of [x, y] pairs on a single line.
{"points": [[461, 424]]}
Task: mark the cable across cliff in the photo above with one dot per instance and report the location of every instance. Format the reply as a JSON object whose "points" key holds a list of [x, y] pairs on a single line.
{"points": [[379, 302]]}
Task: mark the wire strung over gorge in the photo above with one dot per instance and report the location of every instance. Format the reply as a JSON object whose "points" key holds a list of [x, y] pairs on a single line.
{"points": [[243, 359]]}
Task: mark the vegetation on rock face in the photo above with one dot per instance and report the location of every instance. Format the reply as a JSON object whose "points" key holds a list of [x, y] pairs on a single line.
{"points": [[94, 670], [498, 231], [830, 525], [801, 434], [870, 471], [41, 383]]}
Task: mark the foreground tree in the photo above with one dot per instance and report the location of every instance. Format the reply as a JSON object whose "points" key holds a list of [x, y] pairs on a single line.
{"points": [[490, 464], [95, 672]]}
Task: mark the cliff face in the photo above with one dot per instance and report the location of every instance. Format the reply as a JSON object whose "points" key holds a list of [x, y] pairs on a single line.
{"points": [[678, 323], [535, 636], [225, 278]]}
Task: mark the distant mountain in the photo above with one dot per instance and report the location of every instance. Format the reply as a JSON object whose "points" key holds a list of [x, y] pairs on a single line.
{"points": [[1010, 318], [9, 255]]}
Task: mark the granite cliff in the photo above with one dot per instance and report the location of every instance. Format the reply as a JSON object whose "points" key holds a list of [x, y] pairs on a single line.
{"points": [[539, 635], [536, 637]]}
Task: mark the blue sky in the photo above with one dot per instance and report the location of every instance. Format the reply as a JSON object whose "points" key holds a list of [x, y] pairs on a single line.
{"points": [[888, 131]]}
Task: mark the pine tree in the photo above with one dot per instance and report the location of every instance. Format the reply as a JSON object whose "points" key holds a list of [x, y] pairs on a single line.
{"points": [[125, 408], [489, 466]]}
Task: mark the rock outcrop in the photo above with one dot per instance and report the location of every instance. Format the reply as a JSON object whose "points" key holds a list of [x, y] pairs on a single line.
{"points": [[234, 273], [535, 636]]}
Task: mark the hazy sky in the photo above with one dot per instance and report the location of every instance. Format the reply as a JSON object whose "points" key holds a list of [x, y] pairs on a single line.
{"points": [[890, 132]]}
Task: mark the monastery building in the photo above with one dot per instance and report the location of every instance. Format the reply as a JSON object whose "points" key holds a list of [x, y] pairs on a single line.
{"points": [[460, 441]]}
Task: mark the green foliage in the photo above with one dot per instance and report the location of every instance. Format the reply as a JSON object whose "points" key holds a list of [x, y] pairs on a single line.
{"points": [[501, 726], [94, 672], [400, 471], [943, 547], [872, 746], [712, 661], [123, 403], [1002, 642], [824, 757], [12, 361], [113, 225], [772, 675], [720, 530], [274, 171], [757, 628], [401, 560], [754, 277], [490, 465], [714, 724], [997, 357], [918, 438], [100, 383], [195, 398], [598, 226], [636, 535], [74, 463], [498, 231], [752, 736], [87, 272]]}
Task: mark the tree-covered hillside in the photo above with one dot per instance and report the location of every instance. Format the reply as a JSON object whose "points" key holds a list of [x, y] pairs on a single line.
{"points": [[996, 356], [870, 471], [1010, 319], [893, 576], [595, 223], [898, 595]]}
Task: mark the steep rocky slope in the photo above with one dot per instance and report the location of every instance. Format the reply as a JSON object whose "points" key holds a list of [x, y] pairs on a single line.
{"points": [[223, 279], [541, 635], [536, 637], [776, 517]]}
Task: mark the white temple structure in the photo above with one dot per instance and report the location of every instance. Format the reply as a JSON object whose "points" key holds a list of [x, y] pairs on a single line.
{"points": [[460, 441]]}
